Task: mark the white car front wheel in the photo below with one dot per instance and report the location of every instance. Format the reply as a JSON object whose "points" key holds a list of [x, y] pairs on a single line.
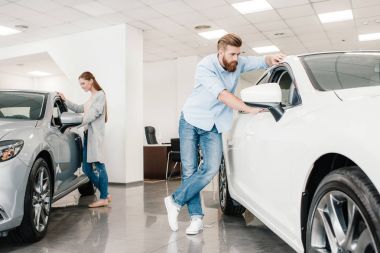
{"points": [[228, 205], [344, 214]]}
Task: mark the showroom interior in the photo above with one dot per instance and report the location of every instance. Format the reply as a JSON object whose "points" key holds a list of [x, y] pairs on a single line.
{"points": [[144, 54]]}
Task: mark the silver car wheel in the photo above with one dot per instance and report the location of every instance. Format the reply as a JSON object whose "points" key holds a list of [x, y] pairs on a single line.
{"points": [[41, 199], [338, 226]]}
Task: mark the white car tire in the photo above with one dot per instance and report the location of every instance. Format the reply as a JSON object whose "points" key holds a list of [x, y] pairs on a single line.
{"points": [[228, 205], [344, 214]]}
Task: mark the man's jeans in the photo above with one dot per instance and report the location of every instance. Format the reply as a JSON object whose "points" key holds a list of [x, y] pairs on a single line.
{"points": [[98, 176], [194, 179]]}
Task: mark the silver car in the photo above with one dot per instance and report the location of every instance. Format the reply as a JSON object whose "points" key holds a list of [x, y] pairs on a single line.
{"points": [[40, 161]]}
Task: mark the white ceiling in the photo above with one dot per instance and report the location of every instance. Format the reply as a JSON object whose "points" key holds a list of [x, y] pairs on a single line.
{"points": [[169, 24], [21, 66]]}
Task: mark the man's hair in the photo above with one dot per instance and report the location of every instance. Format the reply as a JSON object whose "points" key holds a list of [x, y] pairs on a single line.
{"points": [[229, 39]]}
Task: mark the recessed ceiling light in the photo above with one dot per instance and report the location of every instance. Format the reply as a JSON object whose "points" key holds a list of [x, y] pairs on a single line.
{"points": [[252, 6], [39, 73], [22, 26], [266, 49], [94, 9], [211, 35], [336, 16], [369, 36], [4, 31]]}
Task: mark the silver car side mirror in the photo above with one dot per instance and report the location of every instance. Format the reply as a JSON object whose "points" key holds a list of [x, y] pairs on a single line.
{"points": [[71, 119]]}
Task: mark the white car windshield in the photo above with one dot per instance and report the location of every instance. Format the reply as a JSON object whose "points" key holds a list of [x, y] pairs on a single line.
{"points": [[336, 71], [21, 105]]}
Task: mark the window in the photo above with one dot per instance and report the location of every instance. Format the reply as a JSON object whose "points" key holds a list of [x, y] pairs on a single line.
{"points": [[58, 109], [290, 95], [22, 105], [264, 78], [336, 71]]}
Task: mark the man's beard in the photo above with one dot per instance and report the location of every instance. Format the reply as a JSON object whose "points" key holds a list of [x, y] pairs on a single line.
{"points": [[229, 66]]}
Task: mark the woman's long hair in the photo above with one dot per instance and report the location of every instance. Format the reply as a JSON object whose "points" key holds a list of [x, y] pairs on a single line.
{"points": [[89, 76]]}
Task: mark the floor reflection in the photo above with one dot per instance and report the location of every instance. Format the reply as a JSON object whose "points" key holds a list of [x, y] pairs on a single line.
{"points": [[136, 222]]}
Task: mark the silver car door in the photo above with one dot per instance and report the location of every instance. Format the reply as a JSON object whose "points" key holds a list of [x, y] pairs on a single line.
{"points": [[69, 150]]}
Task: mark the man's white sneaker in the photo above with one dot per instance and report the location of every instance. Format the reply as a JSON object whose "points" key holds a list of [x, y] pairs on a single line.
{"points": [[195, 227], [173, 212]]}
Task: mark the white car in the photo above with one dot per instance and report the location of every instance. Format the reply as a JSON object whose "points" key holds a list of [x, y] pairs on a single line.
{"points": [[309, 167]]}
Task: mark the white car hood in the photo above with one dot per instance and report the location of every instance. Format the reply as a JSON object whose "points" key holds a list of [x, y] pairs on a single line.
{"points": [[358, 93], [7, 126]]}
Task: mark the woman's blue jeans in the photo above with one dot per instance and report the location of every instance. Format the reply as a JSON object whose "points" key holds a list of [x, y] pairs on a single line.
{"points": [[194, 179], [98, 175]]}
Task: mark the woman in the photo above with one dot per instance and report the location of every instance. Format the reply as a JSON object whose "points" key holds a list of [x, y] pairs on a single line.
{"points": [[94, 119]]}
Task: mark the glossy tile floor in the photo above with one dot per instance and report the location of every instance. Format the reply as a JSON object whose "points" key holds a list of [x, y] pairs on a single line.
{"points": [[136, 222]]}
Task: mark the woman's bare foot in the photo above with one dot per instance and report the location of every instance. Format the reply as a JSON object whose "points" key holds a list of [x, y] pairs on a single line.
{"points": [[99, 203], [109, 198]]}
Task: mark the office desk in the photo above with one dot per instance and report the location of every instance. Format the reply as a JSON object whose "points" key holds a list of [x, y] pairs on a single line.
{"points": [[155, 158]]}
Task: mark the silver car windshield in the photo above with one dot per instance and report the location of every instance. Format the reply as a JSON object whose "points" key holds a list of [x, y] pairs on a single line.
{"points": [[21, 105], [336, 71]]}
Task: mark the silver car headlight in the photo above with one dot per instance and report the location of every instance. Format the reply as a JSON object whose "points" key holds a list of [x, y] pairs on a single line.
{"points": [[10, 149]]}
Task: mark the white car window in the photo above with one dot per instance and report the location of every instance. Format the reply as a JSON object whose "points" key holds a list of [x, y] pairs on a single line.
{"points": [[336, 71], [290, 95]]}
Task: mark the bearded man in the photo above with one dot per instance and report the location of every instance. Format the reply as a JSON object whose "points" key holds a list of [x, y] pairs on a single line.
{"points": [[206, 114]]}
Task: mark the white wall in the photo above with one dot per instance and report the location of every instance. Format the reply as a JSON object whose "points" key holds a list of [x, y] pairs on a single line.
{"points": [[133, 69], [186, 67], [110, 54], [9, 81], [160, 98], [167, 84]]}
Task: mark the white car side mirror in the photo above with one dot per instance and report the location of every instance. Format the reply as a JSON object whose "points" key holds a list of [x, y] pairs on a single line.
{"points": [[266, 95], [263, 93]]}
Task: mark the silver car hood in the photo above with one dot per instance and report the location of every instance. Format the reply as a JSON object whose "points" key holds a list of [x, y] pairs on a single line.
{"points": [[7, 126]]}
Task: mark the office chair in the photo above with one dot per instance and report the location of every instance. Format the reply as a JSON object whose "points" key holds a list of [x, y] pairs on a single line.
{"points": [[150, 134], [174, 155]]}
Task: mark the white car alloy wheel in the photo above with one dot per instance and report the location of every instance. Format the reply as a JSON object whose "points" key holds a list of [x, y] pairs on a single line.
{"points": [[41, 200], [344, 214], [222, 185], [339, 226]]}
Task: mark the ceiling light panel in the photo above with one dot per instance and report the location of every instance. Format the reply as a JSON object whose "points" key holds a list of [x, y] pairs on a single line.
{"points": [[4, 31], [336, 16], [211, 35], [266, 49], [369, 36], [39, 73], [252, 6]]}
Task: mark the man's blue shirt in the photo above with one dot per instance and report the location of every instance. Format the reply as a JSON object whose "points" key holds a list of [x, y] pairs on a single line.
{"points": [[202, 109]]}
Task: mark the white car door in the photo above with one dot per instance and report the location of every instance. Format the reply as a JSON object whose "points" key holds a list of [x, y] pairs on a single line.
{"points": [[268, 151]]}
